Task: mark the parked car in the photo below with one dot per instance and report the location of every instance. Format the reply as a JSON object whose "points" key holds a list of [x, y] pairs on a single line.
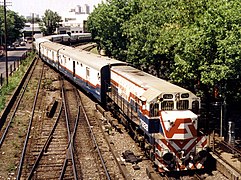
{"points": [[16, 44], [9, 47], [23, 43]]}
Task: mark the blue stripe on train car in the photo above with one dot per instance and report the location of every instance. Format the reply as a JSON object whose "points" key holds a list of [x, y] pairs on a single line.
{"points": [[150, 125], [95, 91], [83, 84]]}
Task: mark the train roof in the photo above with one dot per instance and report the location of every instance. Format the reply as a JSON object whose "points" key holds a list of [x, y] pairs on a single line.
{"points": [[155, 86], [55, 46], [51, 37], [40, 40], [92, 60]]}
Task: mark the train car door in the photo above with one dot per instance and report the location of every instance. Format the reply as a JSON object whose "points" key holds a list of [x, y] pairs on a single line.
{"points": [[73, 68]]}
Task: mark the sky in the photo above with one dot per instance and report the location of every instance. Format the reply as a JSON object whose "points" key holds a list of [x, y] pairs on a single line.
{"points": [[27, 7]]}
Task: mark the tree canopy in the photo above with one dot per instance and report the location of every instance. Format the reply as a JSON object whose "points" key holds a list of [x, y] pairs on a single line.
{"points": [[50, 21], [195, 44], [15, 24]]}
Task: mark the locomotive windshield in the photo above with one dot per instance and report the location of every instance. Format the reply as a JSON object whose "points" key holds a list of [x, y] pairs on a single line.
{"points": [[182, 104], [167, 105]]}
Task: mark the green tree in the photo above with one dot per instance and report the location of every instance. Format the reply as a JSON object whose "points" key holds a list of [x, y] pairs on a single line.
{"points": [[195, 44], [208, 51], [50, 21], [105, 24], [15, 24], [150, 34]]}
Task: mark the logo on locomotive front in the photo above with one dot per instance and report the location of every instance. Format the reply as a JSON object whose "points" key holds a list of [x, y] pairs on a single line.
{"points": [[184, 127]]}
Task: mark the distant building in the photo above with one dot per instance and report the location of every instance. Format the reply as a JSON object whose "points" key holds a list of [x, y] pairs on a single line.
{"points": [[85, 9], [31, 16], [31, 29], [74, 20]]}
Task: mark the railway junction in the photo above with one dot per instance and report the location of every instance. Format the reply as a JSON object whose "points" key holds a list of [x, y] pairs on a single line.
{"points": [[49, 103]]}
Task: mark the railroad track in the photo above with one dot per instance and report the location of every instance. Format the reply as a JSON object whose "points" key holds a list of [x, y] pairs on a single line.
{"points": [[17, 121], [221, 147], [95, 157], [37, 131], [51, 152], [59, 147]]}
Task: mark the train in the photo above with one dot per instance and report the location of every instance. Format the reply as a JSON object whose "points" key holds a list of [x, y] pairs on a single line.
{"points": [[69, 39], [162, 116]]}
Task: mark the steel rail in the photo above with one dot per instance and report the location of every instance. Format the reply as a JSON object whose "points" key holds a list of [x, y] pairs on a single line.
{"points": [[16, 108], [221, 142], [47, 142], [71, 141], [197, 176], [29, 127], [95, 142], [231, 148], [70, 148], [124, 174], [228, 163]]}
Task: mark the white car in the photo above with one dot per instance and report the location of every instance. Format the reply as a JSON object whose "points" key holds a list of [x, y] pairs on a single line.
{"points": [[23, 43]]}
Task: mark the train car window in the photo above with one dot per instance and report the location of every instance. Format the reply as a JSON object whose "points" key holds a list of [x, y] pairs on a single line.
{"points": [[77, 63], [185, 95], [69, 59], [195, 107], [182, 104], [98, 76], [167, 105], [81, 64], [87, 71], [154, 109], [167, 96]]}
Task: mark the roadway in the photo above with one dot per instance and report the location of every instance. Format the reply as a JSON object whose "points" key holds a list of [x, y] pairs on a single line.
{"points": [[13, 55]]}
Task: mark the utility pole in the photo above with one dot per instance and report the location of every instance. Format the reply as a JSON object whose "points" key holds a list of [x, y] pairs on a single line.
{"points": [[5, 37]]}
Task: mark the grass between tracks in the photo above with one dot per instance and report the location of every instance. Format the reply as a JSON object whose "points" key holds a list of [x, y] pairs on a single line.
{"points": [[14, 79]]}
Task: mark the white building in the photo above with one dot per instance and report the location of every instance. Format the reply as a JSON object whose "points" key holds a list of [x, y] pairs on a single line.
{"points": [[74, 20]]}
